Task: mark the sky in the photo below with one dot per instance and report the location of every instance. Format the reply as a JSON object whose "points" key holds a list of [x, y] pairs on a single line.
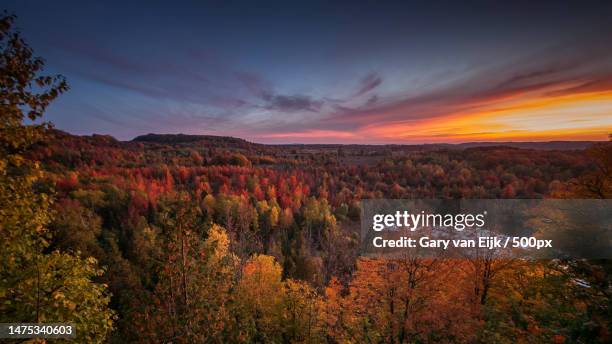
{"points": [[328, 72]]}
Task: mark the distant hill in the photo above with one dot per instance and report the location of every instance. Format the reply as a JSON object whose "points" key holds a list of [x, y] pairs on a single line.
{"points": [[234, 142], [212, 140], [551, 145]]}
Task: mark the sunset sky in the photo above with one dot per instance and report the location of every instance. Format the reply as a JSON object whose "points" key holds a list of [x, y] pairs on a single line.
{"points": [[273, 72]]}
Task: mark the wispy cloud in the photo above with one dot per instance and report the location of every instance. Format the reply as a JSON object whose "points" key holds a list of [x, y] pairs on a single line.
{"points": [[291, 103], [212, 94], [368, 83]]}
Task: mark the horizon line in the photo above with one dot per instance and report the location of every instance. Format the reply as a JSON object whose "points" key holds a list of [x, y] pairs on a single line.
{"points": [[339, 143]]}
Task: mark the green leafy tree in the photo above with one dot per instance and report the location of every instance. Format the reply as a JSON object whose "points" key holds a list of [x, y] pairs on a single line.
{"points": [[36, 286], [301, 315], [189, 303]]}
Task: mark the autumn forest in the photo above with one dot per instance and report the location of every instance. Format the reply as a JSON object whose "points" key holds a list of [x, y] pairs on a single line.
{"points": [[212, 239]]}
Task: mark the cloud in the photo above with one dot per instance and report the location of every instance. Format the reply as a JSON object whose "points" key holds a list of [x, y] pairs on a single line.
{"points": [[368, 83], [291, 103], [372, 100], [211, 94], [526, 77], [190, 76], [552, 72], [255, 84]]}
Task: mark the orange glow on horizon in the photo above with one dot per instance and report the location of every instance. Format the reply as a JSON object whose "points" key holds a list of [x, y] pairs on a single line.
{"points": [[543, 115], [586, 116]]}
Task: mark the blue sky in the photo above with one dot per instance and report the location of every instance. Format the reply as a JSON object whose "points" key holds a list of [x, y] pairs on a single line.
{"points": [[354, 72]]}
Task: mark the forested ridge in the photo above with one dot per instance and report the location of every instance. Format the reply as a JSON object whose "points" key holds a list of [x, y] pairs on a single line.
{"points": [[197, 239], [289, 216]]}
